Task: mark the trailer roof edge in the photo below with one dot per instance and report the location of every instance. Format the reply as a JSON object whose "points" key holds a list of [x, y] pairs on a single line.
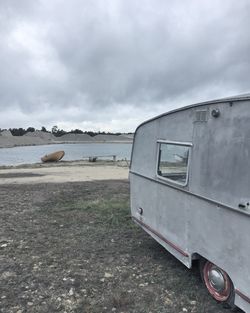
{"points": [[227, 99]]}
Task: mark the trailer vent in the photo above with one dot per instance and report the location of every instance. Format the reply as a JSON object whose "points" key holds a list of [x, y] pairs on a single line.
{"points": [[201, 116]]}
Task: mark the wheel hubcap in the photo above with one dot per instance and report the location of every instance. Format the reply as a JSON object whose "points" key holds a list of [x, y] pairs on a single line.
{"points": [[216, 279], [217, 282]]}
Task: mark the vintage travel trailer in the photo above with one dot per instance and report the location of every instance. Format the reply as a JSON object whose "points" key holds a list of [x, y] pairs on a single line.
{"points": [[190, 190]]}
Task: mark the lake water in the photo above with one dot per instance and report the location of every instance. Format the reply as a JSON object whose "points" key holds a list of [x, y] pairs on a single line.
{"points": [[33, 154]]}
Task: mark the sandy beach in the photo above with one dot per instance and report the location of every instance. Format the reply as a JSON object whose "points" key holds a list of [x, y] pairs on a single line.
{"points": [[61, 172]]}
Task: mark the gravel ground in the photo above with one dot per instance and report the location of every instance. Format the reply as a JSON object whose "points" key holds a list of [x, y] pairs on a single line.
{"points": [[72, 247]]}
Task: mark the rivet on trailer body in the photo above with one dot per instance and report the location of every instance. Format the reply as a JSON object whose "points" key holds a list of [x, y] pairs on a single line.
{"points": [[215, 113]]}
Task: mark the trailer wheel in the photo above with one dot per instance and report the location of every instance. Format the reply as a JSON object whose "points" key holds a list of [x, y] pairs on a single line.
{"points": [[218, 283]]}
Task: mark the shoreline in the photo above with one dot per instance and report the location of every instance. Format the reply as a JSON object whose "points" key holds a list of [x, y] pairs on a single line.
{"points": [[15, 145], [63, 163]]}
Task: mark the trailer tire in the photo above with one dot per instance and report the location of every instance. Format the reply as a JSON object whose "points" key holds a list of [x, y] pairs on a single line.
{"points": [[218, 283]]}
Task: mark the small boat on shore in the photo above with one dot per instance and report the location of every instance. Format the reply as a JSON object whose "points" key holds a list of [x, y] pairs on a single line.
{"points": [[53, 157]]}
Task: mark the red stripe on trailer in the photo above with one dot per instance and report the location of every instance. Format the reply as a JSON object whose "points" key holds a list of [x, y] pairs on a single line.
{"points": [[161, 237], [242, 296]]}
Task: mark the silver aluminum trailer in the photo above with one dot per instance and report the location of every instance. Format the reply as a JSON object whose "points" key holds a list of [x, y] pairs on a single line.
{"points": [[190, 190]]}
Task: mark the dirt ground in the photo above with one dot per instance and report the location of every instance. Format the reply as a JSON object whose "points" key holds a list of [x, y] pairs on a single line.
{"points": [[72, 247]]}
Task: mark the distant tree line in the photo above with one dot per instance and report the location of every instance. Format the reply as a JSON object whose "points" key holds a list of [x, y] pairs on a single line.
{"points": [[57, 132]]}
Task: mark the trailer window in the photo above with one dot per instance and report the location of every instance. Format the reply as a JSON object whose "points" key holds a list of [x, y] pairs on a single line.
{"points": [[173, 162]]}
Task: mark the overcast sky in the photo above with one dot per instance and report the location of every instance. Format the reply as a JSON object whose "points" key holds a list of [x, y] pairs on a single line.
{"points": [[110, 64]]}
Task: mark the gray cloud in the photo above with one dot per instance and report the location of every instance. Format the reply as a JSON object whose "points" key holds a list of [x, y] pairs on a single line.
{"points": [[82, 63]]}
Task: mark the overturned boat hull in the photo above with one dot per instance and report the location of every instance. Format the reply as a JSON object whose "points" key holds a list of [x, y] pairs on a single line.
{"points": [[53, 157]]}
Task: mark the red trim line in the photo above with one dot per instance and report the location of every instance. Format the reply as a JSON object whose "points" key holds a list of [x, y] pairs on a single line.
{"points": [[242, 296], [161, 237]]}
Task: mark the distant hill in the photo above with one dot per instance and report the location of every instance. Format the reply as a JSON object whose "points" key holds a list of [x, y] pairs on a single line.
{"points": [[41, 134], [39, 137], [6, 133], [108, 138], [129, 136], [74, 137]]}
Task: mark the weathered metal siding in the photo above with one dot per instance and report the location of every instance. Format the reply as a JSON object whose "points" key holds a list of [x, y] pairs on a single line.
{"points": [[172, 127], [220, 152], [159, 213], [221, 155], [222, 236], [144, 149]]}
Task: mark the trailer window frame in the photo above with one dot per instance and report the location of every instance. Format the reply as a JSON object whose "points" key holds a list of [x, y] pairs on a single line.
{"points": [[174, 143]]}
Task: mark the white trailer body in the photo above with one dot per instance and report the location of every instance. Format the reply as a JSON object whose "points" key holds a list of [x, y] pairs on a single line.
{"points": [[190, 190]]}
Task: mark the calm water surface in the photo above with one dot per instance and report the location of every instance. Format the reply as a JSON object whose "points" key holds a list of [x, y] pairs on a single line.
{"points": [[33, 154]]}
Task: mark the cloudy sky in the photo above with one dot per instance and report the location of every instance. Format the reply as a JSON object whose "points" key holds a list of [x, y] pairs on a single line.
{"points": [[109, 65]]}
